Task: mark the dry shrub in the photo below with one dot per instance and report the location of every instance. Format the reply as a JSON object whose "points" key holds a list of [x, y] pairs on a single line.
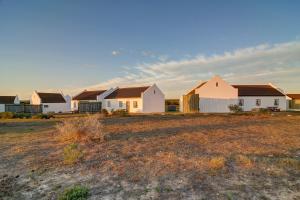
{"points": [[243, 161], [81, 129], [72, 154], [289, 163], [217, 162]]}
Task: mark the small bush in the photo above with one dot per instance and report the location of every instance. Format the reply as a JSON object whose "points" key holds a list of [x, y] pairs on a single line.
{"points": [[6, 115], [217, 162], [81, 129], [75, 193], [72, 154], [104, 112], [243, 161], [235, 108], [22, 115], [43, 116], [120, 112]]}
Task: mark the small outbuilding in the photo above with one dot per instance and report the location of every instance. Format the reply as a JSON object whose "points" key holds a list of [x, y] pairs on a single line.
{"points": [[8, 100], [294, 101], [51, 102], [148, 99]]}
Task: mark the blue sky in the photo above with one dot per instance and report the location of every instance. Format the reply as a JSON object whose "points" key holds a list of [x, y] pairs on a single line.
{"points": [[72, 45]]}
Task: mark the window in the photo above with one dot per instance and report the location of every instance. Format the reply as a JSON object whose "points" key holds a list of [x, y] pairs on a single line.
{"points": [[241, 102], [46, 106], [108, 103], [276, 102], [135, 104], [258, 102], [217, 84], [120, 104], [154, 91], [74, 105]]}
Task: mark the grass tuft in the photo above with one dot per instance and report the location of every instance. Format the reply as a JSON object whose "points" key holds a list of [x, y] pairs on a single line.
{"points": [[75, 193]]}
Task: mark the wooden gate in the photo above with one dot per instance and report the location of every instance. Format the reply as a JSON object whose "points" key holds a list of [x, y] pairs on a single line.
{"points": [[23, 108], [191, 103], [89, 107]]}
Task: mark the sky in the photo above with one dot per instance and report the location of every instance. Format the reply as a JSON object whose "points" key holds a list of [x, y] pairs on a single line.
{"points": [[72, 45]]}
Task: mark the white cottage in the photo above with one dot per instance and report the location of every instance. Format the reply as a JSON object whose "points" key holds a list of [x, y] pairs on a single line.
{"points": [[85, 96], [51, 102], [8, 100], [216, 95], [149, 99]]}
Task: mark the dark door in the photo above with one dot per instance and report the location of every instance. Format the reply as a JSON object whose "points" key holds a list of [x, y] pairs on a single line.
{"points": [[128, 106]]}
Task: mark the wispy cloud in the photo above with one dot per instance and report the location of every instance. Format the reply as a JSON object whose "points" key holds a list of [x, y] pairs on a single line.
{"points": [[115, 52], [277, 63]]}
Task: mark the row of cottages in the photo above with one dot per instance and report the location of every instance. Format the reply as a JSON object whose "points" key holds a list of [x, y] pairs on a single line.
{"points": [[216, 95], [5, 100], [51, 102], [149, 99]]}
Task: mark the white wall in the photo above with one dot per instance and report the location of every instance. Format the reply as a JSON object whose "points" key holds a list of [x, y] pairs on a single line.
{"points": [[55, 107], [209, 105], [153, 100], [17, 100], [114, 104], [216, 95], [250, 102], [2, 107], [35, 99]]}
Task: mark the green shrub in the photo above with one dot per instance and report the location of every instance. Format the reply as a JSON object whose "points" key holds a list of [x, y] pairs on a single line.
{"points": [[75, 193], [72, 154], [6, 115], [120, 112], [22, 115], [235, 108], [43, 116]]}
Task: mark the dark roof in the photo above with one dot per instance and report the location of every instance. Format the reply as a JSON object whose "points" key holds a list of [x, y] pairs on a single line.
{"points": [[294, 96], [51, 97], [257, 90], [7, 99], [132, 92], [88, 95]]}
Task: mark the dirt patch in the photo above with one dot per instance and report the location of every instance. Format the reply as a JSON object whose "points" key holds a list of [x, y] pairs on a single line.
{"points": [[160, 157]]}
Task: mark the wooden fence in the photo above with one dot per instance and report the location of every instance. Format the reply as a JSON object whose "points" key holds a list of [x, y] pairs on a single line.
{"points": [[89, 107], [191, 103], [23, 108]]}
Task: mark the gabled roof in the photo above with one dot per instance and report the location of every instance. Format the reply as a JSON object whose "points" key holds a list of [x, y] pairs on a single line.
{"points": [[294, 96], [130, 92], [51, 97], [7, 99], [193, 90], [257, 90], [88, 95]]}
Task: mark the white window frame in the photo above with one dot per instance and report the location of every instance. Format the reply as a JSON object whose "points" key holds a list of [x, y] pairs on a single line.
{"points": [[135, 104], [258, 102], [241, 102], [108, 104], [276, 102], [120, 104]]}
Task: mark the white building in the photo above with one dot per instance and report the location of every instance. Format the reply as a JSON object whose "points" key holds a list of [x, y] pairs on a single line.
{"points": [[216, 95], [85, 96], [148, 99], [8, 100], [51, 102]]}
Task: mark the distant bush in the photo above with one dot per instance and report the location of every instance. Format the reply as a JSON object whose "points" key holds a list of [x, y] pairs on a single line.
{"points": [[81, 129], [217, 162], [22, 115], [72, 154], [6, 115], [104, 112], [120, 112], [235, 108], [43, 116], [75, 193]]}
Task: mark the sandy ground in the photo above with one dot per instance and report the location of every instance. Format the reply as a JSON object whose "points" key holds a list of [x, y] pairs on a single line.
{"points": [[158, 157]]}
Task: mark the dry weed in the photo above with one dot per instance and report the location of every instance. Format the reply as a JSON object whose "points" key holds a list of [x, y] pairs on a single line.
{"points": [[81, 129], [217, 163], [243, 161]]}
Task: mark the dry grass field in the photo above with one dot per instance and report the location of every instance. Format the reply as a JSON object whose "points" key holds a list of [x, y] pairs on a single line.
{"points": [[156, 157]]}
